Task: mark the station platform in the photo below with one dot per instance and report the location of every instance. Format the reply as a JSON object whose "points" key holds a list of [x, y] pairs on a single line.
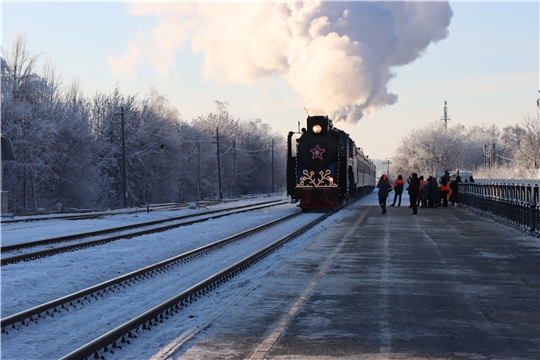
{"points": [[444, 284]]}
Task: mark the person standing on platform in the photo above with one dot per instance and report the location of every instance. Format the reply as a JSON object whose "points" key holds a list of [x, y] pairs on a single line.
{"points": [[422, 196], [384, 187], [454, 185], [408, 187], [398, 190], [445, 188], [414, 191], [434, 194]]}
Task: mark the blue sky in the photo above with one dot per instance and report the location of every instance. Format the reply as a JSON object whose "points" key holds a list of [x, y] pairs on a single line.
{"points": [[487, 69]]}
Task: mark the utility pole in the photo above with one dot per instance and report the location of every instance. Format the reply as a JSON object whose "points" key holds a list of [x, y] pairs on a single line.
{"points": [[234, 154], [489, 155], [124, 171], [198, 172], [493, 155], [157, 173], [273, 185], [445, 117], [218, 163], [387, 163], [266, 185]]}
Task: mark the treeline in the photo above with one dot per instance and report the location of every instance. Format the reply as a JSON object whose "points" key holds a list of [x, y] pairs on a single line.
{"points": [[68, 146], [513, 152]]}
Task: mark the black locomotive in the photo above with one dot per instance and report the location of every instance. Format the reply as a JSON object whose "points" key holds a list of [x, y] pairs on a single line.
{"points": [[324, 166]]}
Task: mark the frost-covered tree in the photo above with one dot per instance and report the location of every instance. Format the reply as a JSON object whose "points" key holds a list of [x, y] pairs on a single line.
{"points": [[244, 143], [436, 148], [525, 140], [155, 140], [69, 147], [429, 150], [40, 126]]}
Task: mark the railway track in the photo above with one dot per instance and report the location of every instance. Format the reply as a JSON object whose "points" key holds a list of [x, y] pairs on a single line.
{"points": [[191, 290], [93, 292], [93, 214], [124, 233], [120, 336], [197, 278]]}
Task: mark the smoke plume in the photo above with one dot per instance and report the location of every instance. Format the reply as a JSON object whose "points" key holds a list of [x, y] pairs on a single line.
{"points": [[338, 55]]}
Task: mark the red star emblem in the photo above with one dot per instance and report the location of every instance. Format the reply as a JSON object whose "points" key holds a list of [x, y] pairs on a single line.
{"points": [[317, 152]]}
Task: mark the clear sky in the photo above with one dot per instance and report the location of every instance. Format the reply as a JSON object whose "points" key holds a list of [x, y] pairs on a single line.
{"points": [[487, 68]]}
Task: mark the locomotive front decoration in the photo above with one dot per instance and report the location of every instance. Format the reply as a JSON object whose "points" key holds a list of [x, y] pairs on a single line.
{"points": [[324, 166]]}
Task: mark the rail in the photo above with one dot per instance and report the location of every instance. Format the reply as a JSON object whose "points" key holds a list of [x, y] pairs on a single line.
{"points": [[116, 338], [67, 248], [516, 205], [49, 308], [119, 336]]}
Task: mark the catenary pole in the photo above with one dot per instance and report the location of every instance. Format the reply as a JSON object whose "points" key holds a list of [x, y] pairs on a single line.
{"points": [[218, 163], [198, 171], [273, 185], [234, 154], [124, 170]]}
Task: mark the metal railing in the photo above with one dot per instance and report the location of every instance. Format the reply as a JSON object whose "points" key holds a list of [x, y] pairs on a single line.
{"points": [[516, 205]]}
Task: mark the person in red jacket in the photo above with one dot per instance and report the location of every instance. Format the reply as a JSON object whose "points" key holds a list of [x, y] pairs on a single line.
{"points": [[384, 187], [398, 190]]}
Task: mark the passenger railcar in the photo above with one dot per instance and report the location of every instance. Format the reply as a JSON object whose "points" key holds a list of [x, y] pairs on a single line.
{"points": [[324, 166]]}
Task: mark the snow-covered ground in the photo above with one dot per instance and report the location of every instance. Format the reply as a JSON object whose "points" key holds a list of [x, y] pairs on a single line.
{"points": [[29, 284]]}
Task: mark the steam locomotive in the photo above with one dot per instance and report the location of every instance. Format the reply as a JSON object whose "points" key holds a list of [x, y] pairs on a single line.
{"points": [[324, 166]]}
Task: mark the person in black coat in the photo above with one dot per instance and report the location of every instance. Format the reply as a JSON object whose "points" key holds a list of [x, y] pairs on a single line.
{"points": [[434, 194], [414, 191], [454, 187], [384, 188]]}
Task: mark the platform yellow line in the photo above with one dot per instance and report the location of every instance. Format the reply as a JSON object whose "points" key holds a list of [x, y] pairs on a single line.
{"points": [[272, 339]]}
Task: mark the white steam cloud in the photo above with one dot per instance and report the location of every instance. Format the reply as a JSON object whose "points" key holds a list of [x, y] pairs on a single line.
{"points": [[338, 55]]}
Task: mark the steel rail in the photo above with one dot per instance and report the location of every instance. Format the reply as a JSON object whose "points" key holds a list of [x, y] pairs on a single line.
{"points": [[115, 338], [61, 249], [91, 214], [66, 238], [79, 297]]}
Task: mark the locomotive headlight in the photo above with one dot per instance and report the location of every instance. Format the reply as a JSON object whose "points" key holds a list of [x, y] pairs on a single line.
{"points": [[317, 129]]}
